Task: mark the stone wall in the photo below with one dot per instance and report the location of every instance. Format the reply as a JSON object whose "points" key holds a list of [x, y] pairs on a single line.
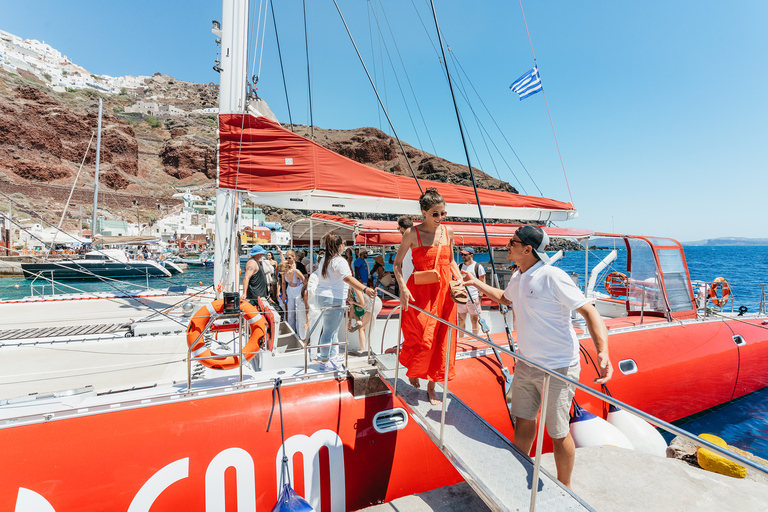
{"points": [[107, 198]]}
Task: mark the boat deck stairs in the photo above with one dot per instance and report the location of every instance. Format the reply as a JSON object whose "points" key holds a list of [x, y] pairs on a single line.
{"points": [[495, 468]]}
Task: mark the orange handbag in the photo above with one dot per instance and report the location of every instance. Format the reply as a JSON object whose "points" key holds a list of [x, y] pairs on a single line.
{"points": [[429, 276]]}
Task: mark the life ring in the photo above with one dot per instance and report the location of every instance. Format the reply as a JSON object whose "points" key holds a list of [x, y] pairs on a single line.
{"points": [[719, 282], [616, 284], [202, 318]]}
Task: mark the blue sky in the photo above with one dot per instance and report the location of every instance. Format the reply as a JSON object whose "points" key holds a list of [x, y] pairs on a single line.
{"points": [[659, 107]]}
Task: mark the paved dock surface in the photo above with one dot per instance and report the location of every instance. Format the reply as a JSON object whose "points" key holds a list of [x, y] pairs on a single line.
{"points": [[614, 479]]}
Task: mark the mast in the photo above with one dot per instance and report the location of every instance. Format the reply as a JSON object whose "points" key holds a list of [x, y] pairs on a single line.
{"points": [[232, 99], [96, 178]]}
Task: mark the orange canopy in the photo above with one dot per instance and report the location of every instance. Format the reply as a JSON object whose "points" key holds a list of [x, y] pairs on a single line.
{"points": [[380, 232], [286, 170]]}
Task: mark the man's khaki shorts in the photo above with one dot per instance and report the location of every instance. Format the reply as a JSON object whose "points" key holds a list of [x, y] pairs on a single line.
{"points": [[527, 388]]}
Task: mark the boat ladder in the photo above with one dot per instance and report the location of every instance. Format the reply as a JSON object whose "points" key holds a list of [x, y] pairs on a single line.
{"points": [[494, 467]]}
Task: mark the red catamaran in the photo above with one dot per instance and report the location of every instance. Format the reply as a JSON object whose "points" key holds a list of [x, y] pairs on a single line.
{"points": [[202, 443]]}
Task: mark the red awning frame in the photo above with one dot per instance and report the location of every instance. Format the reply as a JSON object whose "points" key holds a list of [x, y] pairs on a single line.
{"points": [[380, 232]]}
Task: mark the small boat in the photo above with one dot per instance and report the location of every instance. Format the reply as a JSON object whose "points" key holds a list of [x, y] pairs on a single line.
{"points": [[112, 263]]}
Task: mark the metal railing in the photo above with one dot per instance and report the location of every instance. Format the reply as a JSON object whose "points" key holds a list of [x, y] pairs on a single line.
{"points": [[738, 459], [239, 346]]}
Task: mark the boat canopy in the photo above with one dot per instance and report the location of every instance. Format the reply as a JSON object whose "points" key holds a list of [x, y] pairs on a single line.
{"points": [[658, 282], [285, 170], [380, 232]]}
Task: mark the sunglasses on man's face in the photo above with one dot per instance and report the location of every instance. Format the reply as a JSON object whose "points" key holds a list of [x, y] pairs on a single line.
{"points": [[512, 243], [439, 214]]}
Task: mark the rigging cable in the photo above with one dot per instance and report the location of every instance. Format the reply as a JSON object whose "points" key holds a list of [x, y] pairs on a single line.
{"points": [[309, 79], [66, 207], [456, 60], [263, 33], [282, 70], [408, 79], [256, 38], [543, 92], [464, 142], [373, 59], [399, 86], [379, 97], [106, 280], [429, 36]]}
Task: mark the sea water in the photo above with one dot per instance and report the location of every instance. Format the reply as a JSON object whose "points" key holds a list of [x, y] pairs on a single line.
{"points": [[742, 423]]}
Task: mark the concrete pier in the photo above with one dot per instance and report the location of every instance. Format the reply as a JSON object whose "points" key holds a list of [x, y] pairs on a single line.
{"points": [[614, 479]]}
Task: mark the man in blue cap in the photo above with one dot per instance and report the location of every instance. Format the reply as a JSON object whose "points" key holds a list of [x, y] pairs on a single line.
{"points": [[255, 280]]}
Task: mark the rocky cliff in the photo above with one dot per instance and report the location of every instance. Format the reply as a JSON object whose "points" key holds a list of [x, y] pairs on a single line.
{"points": [[45, 136]]}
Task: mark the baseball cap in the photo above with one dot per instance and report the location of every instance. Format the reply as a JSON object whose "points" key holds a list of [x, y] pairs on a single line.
{"points": [[536, 238], [467, 250], [257, 249]]}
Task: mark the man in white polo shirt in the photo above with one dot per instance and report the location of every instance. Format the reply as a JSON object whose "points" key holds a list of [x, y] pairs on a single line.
{"points": [[543, 298]]}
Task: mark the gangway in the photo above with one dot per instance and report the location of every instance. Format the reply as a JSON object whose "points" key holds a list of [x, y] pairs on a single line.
{"points": [[494, 467]]}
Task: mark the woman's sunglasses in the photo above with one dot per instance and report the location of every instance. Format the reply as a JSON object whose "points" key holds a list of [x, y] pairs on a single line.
{"points": [[439, 214]]}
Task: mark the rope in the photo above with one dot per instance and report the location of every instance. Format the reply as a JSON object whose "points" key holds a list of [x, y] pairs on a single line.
{"points": [[373, 59], [738, 320], [501, 132], [379, 97], [282, 69], [543, 92], [309, 76], [463, 138], [106, 280], [66, 207], [399, 86]]}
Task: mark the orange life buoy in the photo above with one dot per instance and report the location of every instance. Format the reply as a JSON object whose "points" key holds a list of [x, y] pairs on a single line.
{"points": [[616, 284], [269, 316], [202, 318], [719, 282]]}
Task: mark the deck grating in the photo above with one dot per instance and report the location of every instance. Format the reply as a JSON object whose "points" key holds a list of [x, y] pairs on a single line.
{"points": [[57, 332]]}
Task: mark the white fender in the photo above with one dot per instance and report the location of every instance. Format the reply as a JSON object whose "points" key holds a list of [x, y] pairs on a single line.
{"points": [[589, 430], [640, 433]]}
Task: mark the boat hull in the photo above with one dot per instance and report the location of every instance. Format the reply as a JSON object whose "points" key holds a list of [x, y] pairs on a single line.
{"points": [[92, 270], [197, 453]]}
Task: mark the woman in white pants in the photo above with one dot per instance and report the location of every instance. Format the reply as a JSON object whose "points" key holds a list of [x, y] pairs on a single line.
{"points": [[292, 283]]}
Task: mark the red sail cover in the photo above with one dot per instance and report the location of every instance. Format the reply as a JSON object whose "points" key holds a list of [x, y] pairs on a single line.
{"points": [[287, 170], [382, 232]]}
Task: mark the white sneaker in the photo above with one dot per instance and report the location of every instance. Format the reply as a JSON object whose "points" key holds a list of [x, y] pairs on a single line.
{"points": [[338, 360], [329, 366]]}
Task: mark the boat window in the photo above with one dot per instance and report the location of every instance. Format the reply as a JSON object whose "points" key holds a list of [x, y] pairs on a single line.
{"points": [[645, 291], [663, 242], [675, 280]]}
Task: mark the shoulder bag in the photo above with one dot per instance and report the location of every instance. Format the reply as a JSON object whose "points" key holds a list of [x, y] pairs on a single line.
{"points": [[429, 276]]}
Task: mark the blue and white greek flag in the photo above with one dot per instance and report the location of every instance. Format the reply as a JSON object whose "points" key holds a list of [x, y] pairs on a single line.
{"points": [[528, 84]]}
